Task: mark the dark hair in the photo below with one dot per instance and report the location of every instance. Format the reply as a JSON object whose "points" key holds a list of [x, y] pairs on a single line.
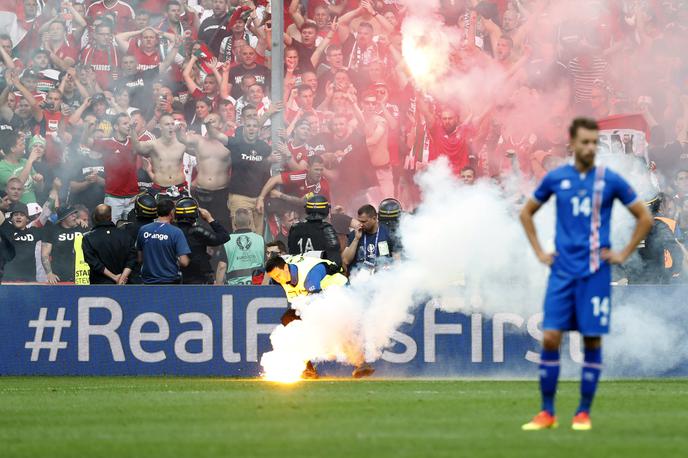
{"points": [[7, 141], [582, 123], [467, 168], [366, 25], [172, 3], [315, 160], [276, 262], [367, 210], [165, 207], [303, 88], [119, 116], [277, 243], [309, 25]]}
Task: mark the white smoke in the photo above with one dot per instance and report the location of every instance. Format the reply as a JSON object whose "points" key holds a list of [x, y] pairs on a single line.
{"points": [[465, 248]]}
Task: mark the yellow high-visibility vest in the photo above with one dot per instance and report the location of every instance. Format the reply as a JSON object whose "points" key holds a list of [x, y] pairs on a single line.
{"points": [[304, 265], [82, 271]]}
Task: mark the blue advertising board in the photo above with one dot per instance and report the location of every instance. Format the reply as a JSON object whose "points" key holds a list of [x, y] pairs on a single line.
{"points": [[223, 331]]}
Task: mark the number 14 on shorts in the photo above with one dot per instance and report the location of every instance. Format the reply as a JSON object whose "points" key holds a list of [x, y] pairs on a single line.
{"points": [[600, 308]]}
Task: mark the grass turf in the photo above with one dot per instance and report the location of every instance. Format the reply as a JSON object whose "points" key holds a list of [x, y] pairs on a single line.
{"points": [[206, 417]]}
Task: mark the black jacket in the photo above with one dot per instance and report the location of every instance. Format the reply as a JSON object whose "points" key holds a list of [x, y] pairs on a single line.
{"points": [[199, 238], [315, 235], [108, 247]]}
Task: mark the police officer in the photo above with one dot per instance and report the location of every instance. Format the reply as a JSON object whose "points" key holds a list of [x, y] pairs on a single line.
{"points": [[389, 214], [109, 252], [660, 257], [315, 234], [199, 238], [144, 213]]}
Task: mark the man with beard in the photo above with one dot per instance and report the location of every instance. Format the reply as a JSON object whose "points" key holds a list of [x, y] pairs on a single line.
{"points": [[251, 159], [57, 248], [119, 162]]}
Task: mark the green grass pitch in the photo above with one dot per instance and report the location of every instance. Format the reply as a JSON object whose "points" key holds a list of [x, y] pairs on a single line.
{"points": [[214, 417]]}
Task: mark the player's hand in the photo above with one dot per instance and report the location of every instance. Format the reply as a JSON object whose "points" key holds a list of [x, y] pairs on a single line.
{"points": [[547, 258], [122, 279], [53, 279], [260, 205], [612, 257]]}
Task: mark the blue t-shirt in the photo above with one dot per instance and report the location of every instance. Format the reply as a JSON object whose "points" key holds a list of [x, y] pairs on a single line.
{"points": [[584, 210], [313, 278], [161, 244], [373, 249]]}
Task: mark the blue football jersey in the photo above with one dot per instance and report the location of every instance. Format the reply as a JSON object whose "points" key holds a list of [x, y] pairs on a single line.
{"points": [[584, 208]]}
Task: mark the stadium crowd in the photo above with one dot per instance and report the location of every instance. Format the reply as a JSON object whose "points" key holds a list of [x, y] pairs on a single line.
{"points": [[105, 105]]}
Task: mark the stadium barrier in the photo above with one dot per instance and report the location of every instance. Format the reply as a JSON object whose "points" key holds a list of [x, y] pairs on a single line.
{"points": [[223, 331]]}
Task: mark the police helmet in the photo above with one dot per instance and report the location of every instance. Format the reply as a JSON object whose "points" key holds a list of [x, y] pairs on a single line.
{"points": [[655, 203], [186, 208], [145, 206], [389, 210], [317, 206]]}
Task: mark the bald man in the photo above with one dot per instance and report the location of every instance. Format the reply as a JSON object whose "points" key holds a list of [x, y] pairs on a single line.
{"points": [[109, 252]]}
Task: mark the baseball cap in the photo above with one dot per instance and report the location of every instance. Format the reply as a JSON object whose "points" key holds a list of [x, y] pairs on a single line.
{"points": [[63, 213], [19, 207]]}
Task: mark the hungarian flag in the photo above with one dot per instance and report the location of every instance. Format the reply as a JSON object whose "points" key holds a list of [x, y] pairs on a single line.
{"points": [[12, 19]]}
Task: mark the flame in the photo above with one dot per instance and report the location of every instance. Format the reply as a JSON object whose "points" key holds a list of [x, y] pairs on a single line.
{"points": [[425, 47], [281, 368]]}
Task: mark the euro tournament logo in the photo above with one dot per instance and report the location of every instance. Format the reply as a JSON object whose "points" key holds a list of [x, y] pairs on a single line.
{"points": [[244, 243]]}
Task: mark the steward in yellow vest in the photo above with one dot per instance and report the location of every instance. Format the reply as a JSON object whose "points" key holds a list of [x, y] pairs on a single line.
{"points": [[301, 276]]}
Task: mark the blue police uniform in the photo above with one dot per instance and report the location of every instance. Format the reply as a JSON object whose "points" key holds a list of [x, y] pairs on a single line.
{"points": [[579, 293]]}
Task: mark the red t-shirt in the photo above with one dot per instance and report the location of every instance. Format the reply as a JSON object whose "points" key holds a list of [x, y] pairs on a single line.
{"points": [[295, 184], [105, 62], [68, 49], [300, 153], [453, 146], [119, 161], [124, 14], [145, 61]]}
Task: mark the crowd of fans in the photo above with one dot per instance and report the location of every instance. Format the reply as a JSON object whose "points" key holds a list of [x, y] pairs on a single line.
{"points": [[104, 100]]}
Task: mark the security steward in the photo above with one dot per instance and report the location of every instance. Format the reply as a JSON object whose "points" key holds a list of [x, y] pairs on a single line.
{"points": [[199, 238], [302, 276], [389, 215], [109, 252], [144, 213], [315, 234], [660, 258]]}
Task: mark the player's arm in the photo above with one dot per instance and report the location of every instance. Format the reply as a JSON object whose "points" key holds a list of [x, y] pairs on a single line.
{"points": [[643, 224], [527, 214]]}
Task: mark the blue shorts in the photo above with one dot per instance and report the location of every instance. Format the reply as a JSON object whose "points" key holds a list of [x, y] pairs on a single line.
{"points": [[579, 304]]}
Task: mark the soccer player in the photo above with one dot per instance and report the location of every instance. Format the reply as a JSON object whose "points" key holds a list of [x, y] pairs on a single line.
{"points": [[301, 276], [578, 293]]}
